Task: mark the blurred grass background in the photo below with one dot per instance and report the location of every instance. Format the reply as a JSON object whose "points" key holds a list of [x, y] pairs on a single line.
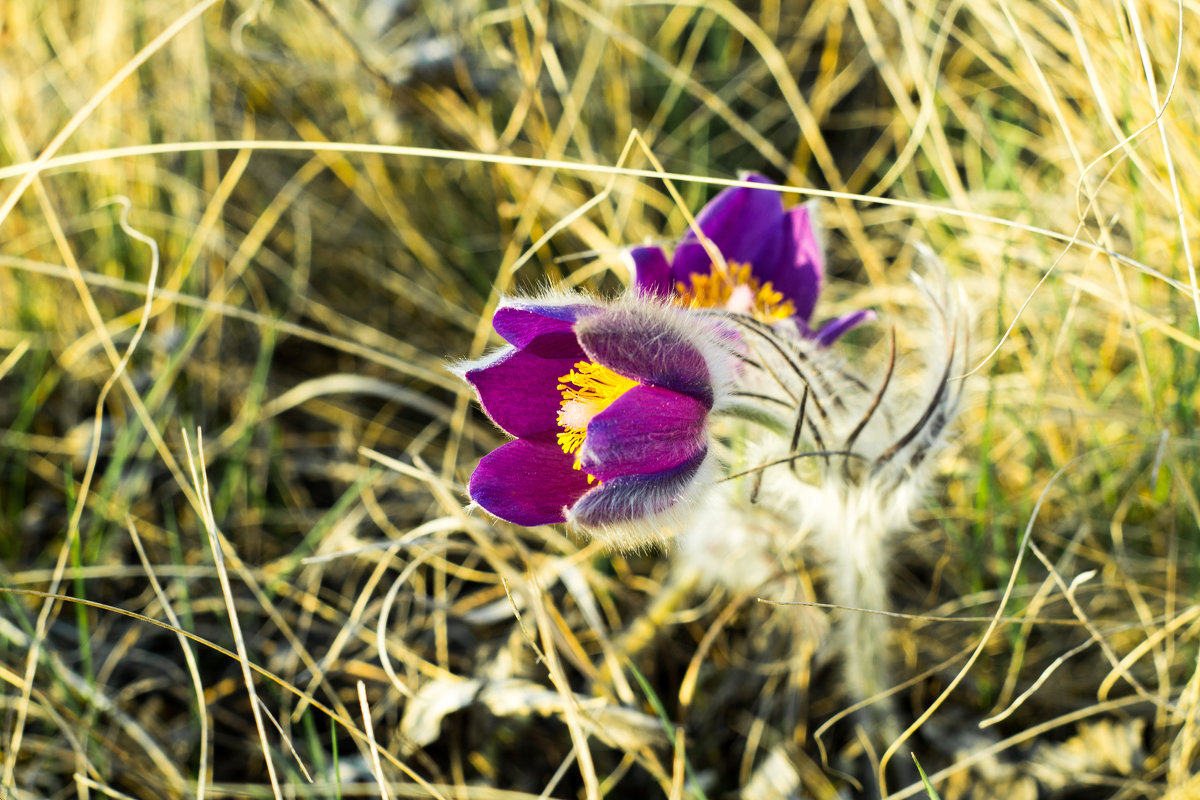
{"points": [[304, 306]]}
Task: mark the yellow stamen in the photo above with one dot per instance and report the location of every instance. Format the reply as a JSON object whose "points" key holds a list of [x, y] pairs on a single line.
{"points": [[595, 388], [735, 289]]}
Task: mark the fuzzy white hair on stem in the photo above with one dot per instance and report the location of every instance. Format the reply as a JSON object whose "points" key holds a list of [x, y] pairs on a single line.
{"points": [[850, 462], [865, 502]]}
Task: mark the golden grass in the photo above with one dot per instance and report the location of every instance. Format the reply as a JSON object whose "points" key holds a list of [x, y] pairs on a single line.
{"points": [[337, 206]]}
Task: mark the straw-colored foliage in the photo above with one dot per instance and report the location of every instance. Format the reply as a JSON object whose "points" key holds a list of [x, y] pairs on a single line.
{"points": [[242, 457]]}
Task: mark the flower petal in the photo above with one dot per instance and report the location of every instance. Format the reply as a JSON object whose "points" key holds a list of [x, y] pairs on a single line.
{"points": [[543, 328], [649, 345], [635, 497], [651, 272], [831, 331], [528, 483], [800, 269], [744, 224], [647, 430], [519, 390]]}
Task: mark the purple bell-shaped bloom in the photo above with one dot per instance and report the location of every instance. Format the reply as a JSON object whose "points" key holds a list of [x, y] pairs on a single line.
{"points": [[609, 405], [773, 265]]}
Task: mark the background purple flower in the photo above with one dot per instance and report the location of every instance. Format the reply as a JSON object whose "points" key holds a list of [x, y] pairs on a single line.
{"points": [[773, 269]]}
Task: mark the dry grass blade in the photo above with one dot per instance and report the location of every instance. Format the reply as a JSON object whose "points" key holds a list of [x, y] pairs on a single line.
{"points": [[199, 474], [369, 727], [202, 776]]}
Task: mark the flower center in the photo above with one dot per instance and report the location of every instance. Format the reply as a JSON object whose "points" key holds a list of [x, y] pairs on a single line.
{"points": [[735, 289], [587, 389]]}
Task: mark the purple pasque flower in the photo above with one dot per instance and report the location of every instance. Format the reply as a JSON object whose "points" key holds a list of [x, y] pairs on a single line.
{"points": [[609, 405], [772, 269]]}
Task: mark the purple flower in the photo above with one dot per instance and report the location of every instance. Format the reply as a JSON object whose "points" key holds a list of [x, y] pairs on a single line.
{"points": [[609, 405], [773, 266]]}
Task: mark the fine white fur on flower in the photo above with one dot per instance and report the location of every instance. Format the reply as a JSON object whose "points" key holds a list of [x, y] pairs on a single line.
{"points": [[857, 512], [751, 529], [846, 509], [732, 543], [659, 530]]}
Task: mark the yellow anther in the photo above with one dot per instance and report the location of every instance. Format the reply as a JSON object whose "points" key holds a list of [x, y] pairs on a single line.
{"points": [[587, 389], [734, 288]]}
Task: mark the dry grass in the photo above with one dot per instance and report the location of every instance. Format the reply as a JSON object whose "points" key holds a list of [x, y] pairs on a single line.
{"points": [[315, 555]]}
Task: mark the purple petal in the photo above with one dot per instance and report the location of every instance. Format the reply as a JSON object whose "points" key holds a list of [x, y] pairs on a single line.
{"points": [[543, 328], [800, 270], [640, 344], [635, 496], [519, 390], [831, 331], [529, 483], [647, 430], [651, 272], [745, 225]]}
